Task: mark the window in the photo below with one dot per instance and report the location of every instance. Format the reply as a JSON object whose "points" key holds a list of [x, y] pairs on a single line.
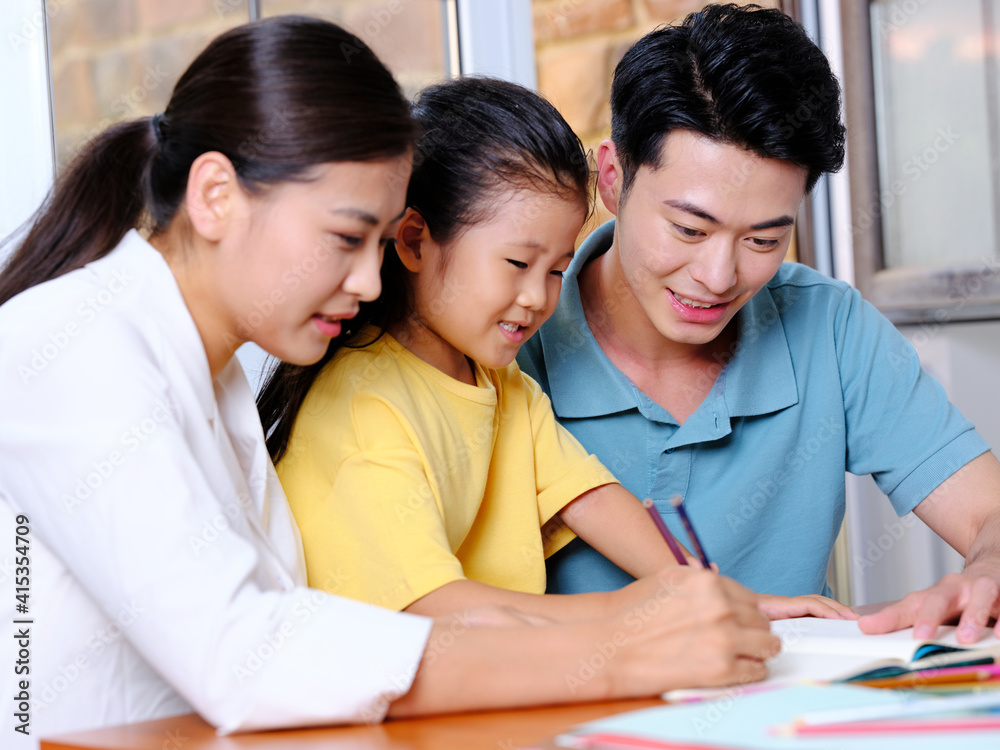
{"points": [[84, 64], [923, 111], [113, 61]]}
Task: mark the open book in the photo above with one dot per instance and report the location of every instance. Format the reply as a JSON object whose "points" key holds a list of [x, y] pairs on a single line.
{"points": [[816, 649]]}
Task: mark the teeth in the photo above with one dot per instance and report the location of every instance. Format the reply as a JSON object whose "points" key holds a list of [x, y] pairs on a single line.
{"points": [[692, 303], [510, 327]]}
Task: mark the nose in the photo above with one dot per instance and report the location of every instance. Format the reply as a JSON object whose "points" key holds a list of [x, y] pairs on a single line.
{"points": [[533, 294], [715, 268], [363, 279]]}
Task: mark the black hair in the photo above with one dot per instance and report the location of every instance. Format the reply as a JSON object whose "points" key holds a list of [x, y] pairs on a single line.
{"points": [[744, 75], [277, 97], [478, 135]]}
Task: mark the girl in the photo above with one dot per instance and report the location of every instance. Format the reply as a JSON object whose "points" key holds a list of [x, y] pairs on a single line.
{"points": [[426, 473], [158, 564]]}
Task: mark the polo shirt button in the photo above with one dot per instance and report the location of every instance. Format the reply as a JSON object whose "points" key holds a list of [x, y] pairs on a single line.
{"points": [[669, 450]]}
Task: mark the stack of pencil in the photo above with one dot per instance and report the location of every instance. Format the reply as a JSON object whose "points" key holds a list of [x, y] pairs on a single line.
{"points": [[971, 712], [951, 679], [946, 699]]}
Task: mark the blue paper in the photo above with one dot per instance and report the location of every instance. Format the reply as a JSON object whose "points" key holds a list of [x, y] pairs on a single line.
{"points": [[743, 721]]}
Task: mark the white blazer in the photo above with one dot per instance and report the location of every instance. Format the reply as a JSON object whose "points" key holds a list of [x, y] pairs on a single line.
{"points": [[164, 571]]}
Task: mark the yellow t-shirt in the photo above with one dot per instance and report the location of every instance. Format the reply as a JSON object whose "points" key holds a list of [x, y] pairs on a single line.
{"points": [[403, 479]]}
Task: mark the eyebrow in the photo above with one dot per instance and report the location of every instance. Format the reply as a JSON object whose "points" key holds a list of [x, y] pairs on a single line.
{"points": [[781, 221], [367, 218], [538, 246], [356, 213]]}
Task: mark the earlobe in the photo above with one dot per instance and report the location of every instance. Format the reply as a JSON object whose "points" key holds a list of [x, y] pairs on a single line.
{"points": [[212, 194], [609, 175], [412, 240]]}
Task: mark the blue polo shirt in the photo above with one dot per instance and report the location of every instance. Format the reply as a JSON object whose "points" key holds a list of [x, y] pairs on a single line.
{"points": [[818, 382]]}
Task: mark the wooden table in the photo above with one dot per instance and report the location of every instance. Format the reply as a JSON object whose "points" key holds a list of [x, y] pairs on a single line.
{"points": [[497, 730]]}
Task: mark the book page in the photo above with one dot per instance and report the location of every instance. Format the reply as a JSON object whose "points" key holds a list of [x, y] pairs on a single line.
{"points": [[818, 650], [812, 635]]}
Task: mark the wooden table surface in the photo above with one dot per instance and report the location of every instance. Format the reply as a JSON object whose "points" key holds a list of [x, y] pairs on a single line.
{"points": [[498, 730]]}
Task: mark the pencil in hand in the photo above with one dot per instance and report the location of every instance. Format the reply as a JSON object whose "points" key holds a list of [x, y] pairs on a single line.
{"points": [[664, 531], [678, 503]]}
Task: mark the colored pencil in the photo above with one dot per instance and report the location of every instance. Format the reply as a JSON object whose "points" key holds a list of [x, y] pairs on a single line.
{"points": [[899, 726], [944, 676], [664, 531], [916, 706], [958, 687], [696, 547], [614, 741]]}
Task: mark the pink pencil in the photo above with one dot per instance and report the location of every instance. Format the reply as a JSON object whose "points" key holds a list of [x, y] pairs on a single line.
{"points": [[980, 668], [614, 741], [899, 726]]}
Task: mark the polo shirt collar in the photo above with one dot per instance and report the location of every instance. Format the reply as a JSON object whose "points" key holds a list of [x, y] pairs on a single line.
{"points": [[584, 383], [760, 378]]}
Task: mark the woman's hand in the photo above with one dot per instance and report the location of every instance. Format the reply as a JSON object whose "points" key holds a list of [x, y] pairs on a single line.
{"points": [[693, 628]]}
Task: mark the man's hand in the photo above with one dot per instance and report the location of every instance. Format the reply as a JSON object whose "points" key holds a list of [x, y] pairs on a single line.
{"points": [[973, 596], [964, 510]]}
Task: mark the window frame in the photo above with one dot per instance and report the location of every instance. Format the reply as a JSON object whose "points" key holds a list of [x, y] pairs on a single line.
{"points": [[27, 137], [907, 295]]}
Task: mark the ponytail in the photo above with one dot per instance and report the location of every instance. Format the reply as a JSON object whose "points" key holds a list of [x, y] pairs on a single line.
{"points": [[277, 97], [89, 209]]}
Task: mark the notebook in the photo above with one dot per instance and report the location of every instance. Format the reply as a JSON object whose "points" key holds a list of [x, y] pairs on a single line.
{"points": [[810, 645], [817, 650]]}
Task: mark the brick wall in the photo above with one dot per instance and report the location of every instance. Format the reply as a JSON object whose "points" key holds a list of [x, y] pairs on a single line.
{"points": [[578, 43], [113, 60], [118, 59]]}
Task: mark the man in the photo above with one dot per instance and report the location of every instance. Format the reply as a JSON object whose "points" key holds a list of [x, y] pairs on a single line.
{"points": [[691, 361]]}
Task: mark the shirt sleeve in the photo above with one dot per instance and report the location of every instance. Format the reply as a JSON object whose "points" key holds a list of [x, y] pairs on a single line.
{"points": [[901, 427], [243, 655], [563, 468], [379, 535]]}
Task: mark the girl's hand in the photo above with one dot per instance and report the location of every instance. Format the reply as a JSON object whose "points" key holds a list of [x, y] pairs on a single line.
{"points": [[812, 605]]}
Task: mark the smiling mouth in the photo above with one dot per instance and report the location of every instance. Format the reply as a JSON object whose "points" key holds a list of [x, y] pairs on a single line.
{"points": [[511, 327], [694, 303], [335, 318]]}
